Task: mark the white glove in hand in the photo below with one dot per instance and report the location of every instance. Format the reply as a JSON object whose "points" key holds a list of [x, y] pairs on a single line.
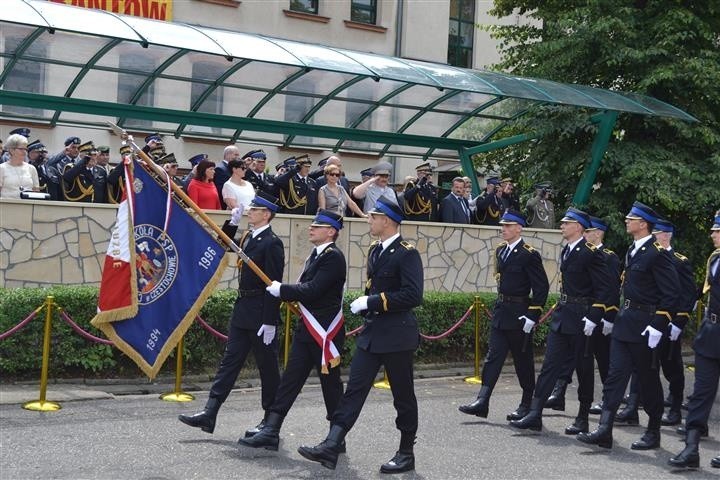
{"points": [[607, 327], [529, 324], [359, 304], [267, 332], [236, 215], [589, 326], [653, 336], [274, 288], [675, 332]]}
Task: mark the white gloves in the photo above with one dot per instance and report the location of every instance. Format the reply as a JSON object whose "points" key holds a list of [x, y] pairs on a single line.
{"points": [[607, 327], [675, 332], [359, 304], [267, 332], [653, 336], [589, 326], [529, 324], [236, 215], [274, 288]]}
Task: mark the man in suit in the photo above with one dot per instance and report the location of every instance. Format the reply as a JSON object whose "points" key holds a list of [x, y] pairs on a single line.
{"points": [[298, 192], [454, 208], [519, 272], [649, 292], [222, 171], [707, 362], [320, 293], [389, 337], [254, 318], [584, 294]]}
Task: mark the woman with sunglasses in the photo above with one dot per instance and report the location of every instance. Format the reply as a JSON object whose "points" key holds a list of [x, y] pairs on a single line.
{"points": [[237, 191], [16, 175], [332, 196]]}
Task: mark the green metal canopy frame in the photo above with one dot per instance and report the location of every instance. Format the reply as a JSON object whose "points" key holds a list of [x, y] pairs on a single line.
{"points": [[75, 66]]}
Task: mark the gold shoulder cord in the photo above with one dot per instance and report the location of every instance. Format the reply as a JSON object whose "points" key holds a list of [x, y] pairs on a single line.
{"points": [[298, 202], [423, 206], [84, 192]]}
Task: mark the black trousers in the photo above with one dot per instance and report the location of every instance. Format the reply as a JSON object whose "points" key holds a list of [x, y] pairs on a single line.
{"points": [[600, 347], [670, 358], [502, 341], [626, 357], [707, 375], [363, 369], [303, 357], [561, 350], [239, 344]]}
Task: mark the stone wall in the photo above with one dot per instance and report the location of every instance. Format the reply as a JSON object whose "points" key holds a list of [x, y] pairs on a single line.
{"points": [[62, 243]]}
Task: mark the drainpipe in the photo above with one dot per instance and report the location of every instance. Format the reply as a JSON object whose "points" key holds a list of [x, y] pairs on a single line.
{"points": [[399, 28]]}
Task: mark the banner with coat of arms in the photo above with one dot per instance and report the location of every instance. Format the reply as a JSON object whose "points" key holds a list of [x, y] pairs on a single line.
{"points": [[156, 279]]}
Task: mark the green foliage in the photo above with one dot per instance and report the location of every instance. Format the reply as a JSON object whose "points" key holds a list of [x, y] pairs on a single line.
{"points": [[667, 50]]}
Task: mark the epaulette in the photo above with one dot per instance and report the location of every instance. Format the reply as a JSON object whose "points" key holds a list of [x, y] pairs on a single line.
{"points": [[659, 247], [407, 245], [528, 247], [608, 251], [327, 249], [374, 242], [680, 256], [501, 245], [590, 246]]}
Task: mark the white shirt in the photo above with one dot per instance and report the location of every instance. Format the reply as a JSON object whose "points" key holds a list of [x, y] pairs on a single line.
{"points": [[389, 241], [639, 243], [571, 246], [12, 178], [243, 194], [259, 230], [510, 247], [321, 248]]}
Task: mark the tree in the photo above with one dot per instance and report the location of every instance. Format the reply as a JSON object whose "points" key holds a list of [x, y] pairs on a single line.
{"points": [[669, 50]]}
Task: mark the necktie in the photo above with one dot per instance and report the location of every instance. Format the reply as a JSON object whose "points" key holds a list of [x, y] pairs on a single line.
{"points": [[506, 253], [465, 209], [632, 250], [310, 259], [376, 253], [715, 268], [565, 252]]}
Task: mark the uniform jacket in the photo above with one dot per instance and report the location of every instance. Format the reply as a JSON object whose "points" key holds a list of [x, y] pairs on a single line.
{"points": [[297, 196], [394, 287], [519, 275], [222, 175], [489, 207], [649, 279], [687, 295], [451, 209], [612, 261], [707, 340], [55, 167], [255, 306], [420, 201], [115, 184], [100, 176], [584, 275], [320, 290], [78, 182]]}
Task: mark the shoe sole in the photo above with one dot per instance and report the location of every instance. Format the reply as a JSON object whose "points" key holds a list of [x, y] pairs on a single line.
{"points": [[481, 415], [384, 470], [599, 444], [533, 428], [204, 429], [273, 448], [324, 463]]}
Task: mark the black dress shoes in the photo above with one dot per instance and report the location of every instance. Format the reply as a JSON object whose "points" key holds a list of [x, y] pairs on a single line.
{"points": [[715, 462], [672, 417], [479, 408], [519, 413], [252, 431], [596, 409], [401, 462], [580, 425], [204, 420], [649, 441]]}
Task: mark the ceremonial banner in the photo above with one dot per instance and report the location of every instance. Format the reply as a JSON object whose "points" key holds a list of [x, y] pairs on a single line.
{"points": [[177, 264]]}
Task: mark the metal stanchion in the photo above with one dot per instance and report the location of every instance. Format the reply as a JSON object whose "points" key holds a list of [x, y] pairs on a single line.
{"points": [[286, 352], [475, 379], [42, 405], [178, 395], [384, 383]]}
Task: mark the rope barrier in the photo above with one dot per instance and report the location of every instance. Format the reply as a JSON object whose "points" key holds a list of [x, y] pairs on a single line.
{"points": [[80, 331], [20, 325], [451, 329], [210, 329]]}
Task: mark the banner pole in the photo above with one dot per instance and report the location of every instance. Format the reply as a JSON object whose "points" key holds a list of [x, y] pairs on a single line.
{"points": [[42, 405], [475, 379], [178, 395], [286, 352]]}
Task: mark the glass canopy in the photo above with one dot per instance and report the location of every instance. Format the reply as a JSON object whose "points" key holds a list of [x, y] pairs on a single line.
{"points": [[68, 65]]}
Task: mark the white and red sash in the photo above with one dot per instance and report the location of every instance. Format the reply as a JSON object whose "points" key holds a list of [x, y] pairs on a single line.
{"points": [[323, 338]]}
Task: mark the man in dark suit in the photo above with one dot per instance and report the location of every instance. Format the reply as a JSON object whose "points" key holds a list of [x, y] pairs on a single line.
{"points": [[320, 292], [649, 292], [584, 295], [454, 208], [389, 337], [707, 362], [519, 271], [255, 316], [222, 171], [298, 192]]}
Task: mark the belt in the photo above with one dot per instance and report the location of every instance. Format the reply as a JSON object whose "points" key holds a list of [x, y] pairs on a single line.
{"points": [[633, 305], [579, 300], [510, 299], [250, 293]]}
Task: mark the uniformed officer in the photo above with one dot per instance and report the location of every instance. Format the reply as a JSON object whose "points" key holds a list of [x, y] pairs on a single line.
{"points": [[389, 337], [116, 177], [56, 166], [541, 211], [421, 196], [77, 179], [488, 205], [649, 290], [256, 173], [255, 315], [298, 192], [100, 171], [37, 157], [320, 293], [584, 294], [707, 362], [152, 141], [522, 286]]}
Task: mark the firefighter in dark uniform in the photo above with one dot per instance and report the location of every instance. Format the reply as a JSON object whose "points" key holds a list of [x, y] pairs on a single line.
{"points": [[488, 205], [707, 362], [298, 192], [77, 179], [389, 337], [519, 272], [649, 291], [101, 170], [56, 166], [256, 173], [116, 177], [37, 156], [584, 294], [320, 292], [254, 318], [421, 196], [152, 141]]}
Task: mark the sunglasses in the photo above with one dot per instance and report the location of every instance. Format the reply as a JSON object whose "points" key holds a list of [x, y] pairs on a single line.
{"points": [[383, 175], [333, 174]]}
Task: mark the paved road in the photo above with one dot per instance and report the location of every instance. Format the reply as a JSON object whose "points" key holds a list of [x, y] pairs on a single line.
{"points": [[139, 437]]}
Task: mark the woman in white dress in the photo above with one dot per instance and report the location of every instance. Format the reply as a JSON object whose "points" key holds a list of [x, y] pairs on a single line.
{"points": [[237, 191], [332, 196], [16, 174]]}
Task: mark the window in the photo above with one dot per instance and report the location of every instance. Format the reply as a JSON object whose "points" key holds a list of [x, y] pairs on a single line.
{"points": [[26, 75], [305, 6], [298, 102], [214, 101], [363, 11], [461, 34], [129, 83]]}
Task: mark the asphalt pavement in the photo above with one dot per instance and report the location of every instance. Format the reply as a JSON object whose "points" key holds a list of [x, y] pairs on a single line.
{"points": [[116, 430]]}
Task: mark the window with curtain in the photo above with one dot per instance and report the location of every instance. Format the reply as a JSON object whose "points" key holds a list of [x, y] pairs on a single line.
{"points": [[461, 33], [363, 11], [305, 6]]}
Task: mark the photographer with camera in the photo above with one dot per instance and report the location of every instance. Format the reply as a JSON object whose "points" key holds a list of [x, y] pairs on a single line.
{"points": [[541, 211]]}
